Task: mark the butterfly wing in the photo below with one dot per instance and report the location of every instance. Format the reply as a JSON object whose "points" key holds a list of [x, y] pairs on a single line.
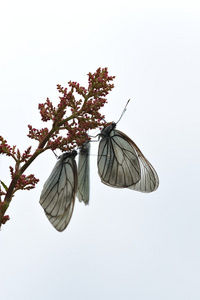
{"points": [[149, 179], [83, 173], [118, 164], [58, 194]]}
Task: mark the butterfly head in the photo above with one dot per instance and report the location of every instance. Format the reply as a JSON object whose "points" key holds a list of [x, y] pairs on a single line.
{"points": [[73, 153], [107, 130], [84, 148]]}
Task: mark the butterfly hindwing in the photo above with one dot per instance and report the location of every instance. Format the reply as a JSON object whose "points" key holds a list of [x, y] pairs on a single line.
{"points": [[149, 181]]}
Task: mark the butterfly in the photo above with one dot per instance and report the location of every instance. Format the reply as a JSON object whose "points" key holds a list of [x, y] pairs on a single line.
{"points": [[121, 164], [83, 173], [59, 191]]}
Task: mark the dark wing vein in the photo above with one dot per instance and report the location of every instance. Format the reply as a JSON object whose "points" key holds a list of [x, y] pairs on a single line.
{"points": [[121, 163], [118, 165], [58, 194], [149, 181]]}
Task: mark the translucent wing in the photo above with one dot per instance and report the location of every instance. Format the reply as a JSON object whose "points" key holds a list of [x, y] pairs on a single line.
{"points": [[83, 173], [121, 162], [149, 179], [58, 194], [118, 164]]}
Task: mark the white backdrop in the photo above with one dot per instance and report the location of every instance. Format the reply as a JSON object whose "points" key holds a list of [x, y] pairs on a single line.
{"points": [[125, 244]]}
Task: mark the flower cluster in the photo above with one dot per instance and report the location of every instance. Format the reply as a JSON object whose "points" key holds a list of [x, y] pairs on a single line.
{"points": [[24, 182], [13, 151], [99, 83], [75, 116], [70, 121], [37, 134], [5, 148]]}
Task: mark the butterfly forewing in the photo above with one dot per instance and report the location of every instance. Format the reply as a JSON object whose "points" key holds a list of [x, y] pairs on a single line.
{"points": [[58, 194], [118, 164], [84, 173]]}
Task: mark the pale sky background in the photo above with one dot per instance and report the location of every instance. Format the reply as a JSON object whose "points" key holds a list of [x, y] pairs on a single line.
{"points": [[125, 244]]}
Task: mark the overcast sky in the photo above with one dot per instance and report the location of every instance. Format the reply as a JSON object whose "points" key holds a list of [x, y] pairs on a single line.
{"points": [[125, 244]]}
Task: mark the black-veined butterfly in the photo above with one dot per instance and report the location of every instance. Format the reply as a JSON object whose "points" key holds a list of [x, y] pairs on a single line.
{"points": [[121, 164], [83, 190], [59, 191]]}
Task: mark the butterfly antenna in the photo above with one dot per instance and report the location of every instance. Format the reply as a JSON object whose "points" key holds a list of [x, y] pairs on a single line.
{"points": [[124, 110]]}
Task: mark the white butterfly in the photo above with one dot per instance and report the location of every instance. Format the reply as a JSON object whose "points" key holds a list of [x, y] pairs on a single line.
{"points": [[59, 191], [121, 164]]}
